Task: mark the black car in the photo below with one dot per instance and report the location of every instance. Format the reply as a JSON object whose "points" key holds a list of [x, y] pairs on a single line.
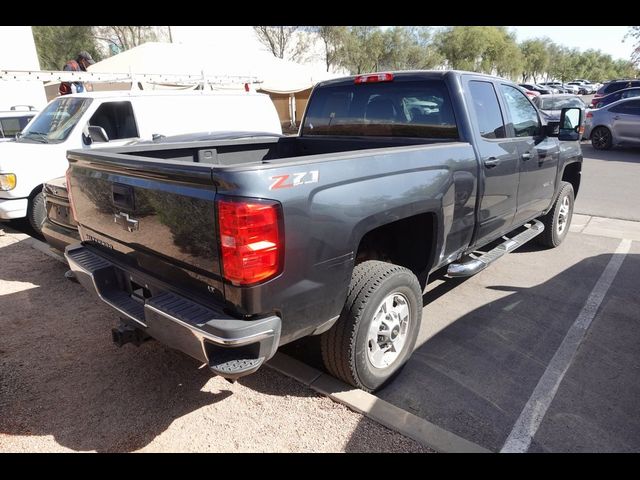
{"points": [[614, 97]]}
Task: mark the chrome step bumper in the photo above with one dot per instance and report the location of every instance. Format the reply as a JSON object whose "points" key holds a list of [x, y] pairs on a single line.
{"points": [[231, 347]]}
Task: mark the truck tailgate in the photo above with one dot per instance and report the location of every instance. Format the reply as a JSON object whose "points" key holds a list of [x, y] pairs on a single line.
{"points": [[130, 209]]}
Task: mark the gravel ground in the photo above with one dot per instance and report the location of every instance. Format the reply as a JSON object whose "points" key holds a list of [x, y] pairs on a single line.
{"points": [[65, 387]]}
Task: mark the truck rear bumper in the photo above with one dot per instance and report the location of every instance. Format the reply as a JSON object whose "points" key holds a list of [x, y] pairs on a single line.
{"points": [[231, 347], [13, 208]]}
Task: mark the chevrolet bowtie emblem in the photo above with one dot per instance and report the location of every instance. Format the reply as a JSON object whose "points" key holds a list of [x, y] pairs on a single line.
{"points": [[125, 222]]}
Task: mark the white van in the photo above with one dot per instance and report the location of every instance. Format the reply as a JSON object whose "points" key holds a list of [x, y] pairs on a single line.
{"points": [[85, 120]]}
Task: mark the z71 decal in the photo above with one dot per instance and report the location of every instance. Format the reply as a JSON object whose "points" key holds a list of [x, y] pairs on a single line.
{"points": [[294, 179]]}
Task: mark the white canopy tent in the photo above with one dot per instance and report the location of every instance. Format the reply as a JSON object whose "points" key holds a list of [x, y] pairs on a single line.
{"points": [[276, 75]]}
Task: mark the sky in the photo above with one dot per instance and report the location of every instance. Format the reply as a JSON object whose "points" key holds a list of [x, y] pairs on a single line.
{"points": [[606, 39]]}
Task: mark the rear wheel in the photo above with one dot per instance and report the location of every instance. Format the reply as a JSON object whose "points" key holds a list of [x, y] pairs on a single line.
{"points": [[36, 212], [601, 138], [558, 219], [378, 327]]}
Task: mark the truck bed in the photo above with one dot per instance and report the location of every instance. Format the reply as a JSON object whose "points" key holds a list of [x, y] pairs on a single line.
{"points": [[251, 152]]}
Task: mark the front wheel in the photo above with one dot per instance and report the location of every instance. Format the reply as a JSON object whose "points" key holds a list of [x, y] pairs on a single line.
{"points": [[378, 327], [558, 219], [36, 212]]}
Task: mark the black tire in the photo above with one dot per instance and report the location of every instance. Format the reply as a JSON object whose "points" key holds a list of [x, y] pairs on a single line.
{"points": [[601, 138], [550, 237], [36, 212], [345, 346]]}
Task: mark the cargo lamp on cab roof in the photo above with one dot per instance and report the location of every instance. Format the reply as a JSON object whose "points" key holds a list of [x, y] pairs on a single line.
{"points": [[373, 78]]}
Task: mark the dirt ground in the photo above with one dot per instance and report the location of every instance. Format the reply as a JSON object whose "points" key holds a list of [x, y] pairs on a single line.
{"points": [[64, 386]]}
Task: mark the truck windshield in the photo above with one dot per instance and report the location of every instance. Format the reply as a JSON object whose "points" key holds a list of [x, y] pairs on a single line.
{"points": [[56, 121], [392, 109]]}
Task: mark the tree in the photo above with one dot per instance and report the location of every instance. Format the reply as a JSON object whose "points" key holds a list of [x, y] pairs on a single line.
{"points": [[634, 32], [408, 48], [333, 38], [535, 56], [479, 49], [276, 38], [125, 37], [363, 49], [58, 44]]}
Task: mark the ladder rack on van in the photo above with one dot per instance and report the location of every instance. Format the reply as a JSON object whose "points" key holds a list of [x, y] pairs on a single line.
{"points": [[134, 78]]}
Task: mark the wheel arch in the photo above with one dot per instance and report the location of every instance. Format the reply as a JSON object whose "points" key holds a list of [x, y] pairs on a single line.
{"points": [[411, 241]]}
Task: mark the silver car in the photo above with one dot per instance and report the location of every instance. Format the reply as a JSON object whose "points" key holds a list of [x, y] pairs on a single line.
{"points": [[615, 124]]}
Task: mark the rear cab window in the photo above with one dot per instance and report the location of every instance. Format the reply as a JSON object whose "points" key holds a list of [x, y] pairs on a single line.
{"points": [[416, 108]]}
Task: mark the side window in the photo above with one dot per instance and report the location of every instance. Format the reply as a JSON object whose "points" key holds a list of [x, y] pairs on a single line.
{"points": [[631, 93], [11, 126], [630, 108], [117, 120], [523, 115], [487, 109]]}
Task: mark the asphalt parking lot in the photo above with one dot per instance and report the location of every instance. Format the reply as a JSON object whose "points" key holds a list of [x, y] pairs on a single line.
{"points": [[491, 344], [537, 353]]}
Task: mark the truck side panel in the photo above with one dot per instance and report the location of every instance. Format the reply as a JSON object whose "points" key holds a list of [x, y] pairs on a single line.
{"points": [[335, 204]]}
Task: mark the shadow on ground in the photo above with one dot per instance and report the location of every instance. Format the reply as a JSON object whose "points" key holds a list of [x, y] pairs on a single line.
{"points": [[60, 374], [474, 377], [62, 377]]}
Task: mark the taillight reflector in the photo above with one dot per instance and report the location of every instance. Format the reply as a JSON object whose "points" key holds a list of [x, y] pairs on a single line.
{"points": [[250, 238], [73, 208], [374, 77], [589, 114]]}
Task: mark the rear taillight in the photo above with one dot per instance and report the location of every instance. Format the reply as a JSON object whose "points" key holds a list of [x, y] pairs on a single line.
{"points": [[73, 208], [251, 239], [589, 114], [374, 77]]}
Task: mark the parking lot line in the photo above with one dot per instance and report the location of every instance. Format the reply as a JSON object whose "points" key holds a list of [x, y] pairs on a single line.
{"points": [[535, 409]]}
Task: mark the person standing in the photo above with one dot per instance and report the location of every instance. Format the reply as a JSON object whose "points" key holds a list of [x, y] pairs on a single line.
{"points": [[80, 64]]}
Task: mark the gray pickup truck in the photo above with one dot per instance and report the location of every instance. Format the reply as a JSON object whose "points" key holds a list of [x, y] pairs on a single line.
{"points": [[227, 250]]}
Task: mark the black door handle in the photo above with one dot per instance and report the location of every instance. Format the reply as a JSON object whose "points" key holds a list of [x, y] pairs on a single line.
{"points": [[491, 162], [526, 156]]}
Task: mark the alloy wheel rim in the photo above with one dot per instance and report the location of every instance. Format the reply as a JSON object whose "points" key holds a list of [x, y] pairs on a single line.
{"points": [[600, 138]]}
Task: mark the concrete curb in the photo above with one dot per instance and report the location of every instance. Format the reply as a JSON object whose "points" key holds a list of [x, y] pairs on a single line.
{"points": [[381, 411]]}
